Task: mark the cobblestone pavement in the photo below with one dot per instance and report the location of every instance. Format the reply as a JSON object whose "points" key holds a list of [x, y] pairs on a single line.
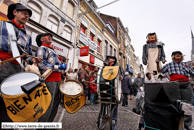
{"points": [[86, 118]]}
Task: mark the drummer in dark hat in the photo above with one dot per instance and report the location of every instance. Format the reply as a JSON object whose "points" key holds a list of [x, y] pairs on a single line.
{"points": [[51, 61], [180, 72], [18, 15]]}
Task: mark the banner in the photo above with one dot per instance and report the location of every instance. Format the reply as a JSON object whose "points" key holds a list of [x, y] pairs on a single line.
{"points": [[84, 51], [92, 59], [28, 108]]}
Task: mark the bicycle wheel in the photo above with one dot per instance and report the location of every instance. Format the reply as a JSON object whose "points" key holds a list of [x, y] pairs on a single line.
{"points": [[113, 118], [101, 117]]}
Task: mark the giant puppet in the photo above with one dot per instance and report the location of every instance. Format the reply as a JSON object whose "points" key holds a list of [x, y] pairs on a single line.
{"points": [[152, 50]]}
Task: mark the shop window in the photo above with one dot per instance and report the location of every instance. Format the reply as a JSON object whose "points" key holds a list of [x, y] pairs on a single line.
{"points": [[36, 11], [91, 36], [82, 29], [52, 23], [57, 3], [70, 10], [67, 32], [110, 50]]}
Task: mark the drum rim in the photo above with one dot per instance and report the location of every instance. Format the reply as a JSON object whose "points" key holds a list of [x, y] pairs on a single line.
{"points": [[12, 76], [69, 81]]}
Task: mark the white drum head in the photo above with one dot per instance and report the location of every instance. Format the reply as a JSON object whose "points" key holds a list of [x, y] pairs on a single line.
{"points": [[12, 85], [71, 88]]}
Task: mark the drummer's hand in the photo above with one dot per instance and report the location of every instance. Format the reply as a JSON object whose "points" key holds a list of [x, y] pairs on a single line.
{"points": [[120, 78], [37, 60]]}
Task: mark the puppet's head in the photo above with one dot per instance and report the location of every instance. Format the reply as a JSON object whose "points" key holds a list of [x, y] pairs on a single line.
{"points": [[151, 38]]}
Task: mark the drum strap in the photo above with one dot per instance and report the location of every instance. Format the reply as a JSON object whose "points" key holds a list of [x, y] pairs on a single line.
{"points": [[13, 41]]}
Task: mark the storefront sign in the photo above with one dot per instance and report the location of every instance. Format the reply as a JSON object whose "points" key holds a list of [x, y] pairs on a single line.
{"points": [[98, 49], [87, 42], [92, 59], [84, 51], [59, 49]]}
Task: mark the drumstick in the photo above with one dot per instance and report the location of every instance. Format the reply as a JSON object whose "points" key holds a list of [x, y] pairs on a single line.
{"points": [[67, 57], [18, 57], [12, 58], [46, 73]]}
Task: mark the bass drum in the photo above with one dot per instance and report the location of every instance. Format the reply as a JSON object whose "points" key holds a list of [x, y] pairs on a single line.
{"points": [[104, 88], [22, 107]]}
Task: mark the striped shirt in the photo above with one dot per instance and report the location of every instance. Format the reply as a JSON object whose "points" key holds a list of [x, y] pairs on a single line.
{"points": [[178, 68], [50, 57], [145, 52], [23, 40]]}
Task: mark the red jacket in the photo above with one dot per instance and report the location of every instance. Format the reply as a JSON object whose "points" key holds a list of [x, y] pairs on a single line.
{"points": [[93, 87]]}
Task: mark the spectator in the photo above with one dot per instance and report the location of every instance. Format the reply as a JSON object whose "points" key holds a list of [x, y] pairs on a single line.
{"points": [[138, 82], [85, 77], [71, 75], [76, 73], [93, 88], [149, 78], [96, 69], [162, 78], [79, 73], [126, 86]]}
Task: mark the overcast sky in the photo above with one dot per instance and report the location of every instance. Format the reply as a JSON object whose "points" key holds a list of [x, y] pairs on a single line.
{"points": [[170, 19]]}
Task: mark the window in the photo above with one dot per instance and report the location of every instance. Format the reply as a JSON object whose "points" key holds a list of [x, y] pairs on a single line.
{"points": [[36, 11], [82, 29], [67, 32], [52, 23], [98, 47], [115, 53], [70, 10], [110, 50], [123, 46], [91, 36], [105, 49], [108, 25], [57, 3]]}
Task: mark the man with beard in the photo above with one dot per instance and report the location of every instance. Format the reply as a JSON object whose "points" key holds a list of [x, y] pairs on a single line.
{"points": [[153, 50], [18, 15], [180, 72]]}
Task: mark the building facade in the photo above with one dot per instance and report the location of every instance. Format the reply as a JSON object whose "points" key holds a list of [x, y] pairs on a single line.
{"points": [[90, 32], [58, 17], [119, 32]]}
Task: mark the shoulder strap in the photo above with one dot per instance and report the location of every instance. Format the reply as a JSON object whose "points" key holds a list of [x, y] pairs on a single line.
{"points": [[13, 40]]}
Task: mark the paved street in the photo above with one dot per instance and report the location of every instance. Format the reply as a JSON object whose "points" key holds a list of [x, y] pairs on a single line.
{"points": [[86, 118]]}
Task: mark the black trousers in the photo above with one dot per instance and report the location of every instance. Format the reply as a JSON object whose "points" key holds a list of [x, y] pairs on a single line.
{"points": [[125, 99]]}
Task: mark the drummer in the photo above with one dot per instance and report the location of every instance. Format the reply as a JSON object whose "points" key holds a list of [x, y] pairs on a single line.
{"points": [[46, 52], [180, 72], [18, 15], [112, 61]]}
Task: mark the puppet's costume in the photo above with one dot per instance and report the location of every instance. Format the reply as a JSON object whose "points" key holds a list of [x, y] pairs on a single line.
{"points": [[151, 51]]}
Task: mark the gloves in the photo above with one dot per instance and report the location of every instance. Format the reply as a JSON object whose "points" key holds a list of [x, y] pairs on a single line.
{"points": [[62, 66]]}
